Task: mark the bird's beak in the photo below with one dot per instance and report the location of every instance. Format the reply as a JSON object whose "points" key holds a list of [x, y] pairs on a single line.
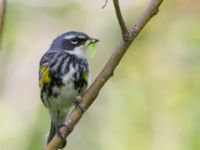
{"points": [[91, 41]]}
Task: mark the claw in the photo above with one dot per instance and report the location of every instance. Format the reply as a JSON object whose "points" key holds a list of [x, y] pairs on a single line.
{"points": [[78, 104], [64, 141], [67, 127]]}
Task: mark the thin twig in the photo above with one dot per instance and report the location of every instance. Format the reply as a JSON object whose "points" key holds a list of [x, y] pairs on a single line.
{"points": [[120, 17], [144, 18], [2, 15], [106, 73], [104, 4]]}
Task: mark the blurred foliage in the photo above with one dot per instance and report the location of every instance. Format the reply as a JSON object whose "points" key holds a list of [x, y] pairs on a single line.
{"points": [[151, 103]]}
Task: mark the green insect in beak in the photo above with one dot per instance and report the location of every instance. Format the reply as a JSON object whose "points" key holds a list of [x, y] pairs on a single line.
{"points": [[92, 42]]}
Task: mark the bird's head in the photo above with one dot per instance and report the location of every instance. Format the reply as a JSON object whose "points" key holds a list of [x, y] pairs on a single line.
{"points": [[73, 42]]}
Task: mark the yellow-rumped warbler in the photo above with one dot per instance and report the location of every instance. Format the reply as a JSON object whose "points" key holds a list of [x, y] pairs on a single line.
{"points": [[63, 76]]}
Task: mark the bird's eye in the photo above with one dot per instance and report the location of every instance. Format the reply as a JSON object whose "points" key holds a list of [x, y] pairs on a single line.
{"points": [[74, 40]]}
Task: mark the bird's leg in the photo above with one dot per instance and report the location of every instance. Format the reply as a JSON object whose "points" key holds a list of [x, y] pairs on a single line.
{"points": [[77, 103], [59, 133]]}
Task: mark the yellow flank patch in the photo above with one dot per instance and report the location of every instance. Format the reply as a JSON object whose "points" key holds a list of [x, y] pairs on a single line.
{"points": [[46, 79], [86, 76]]}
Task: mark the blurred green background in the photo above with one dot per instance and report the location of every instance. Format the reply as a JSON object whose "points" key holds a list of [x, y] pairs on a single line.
{"points": [[151, 103]]}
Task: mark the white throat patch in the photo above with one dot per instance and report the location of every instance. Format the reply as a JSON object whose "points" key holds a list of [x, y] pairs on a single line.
{"points": [[79, 51]]}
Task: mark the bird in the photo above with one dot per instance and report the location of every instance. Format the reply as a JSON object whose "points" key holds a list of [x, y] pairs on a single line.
{"points": [[63, 77]]}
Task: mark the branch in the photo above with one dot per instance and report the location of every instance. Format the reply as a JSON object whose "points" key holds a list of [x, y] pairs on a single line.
{"points": [[108, 69], [119, 17], [2, 14], [104, 4]]}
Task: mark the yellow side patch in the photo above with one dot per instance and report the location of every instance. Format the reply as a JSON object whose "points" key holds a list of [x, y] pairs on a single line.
{"points": [[85, 77], [46, 79]]}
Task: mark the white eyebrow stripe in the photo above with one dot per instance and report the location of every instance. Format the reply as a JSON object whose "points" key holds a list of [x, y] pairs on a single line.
{"points": [[81, 37], [69, 37]]}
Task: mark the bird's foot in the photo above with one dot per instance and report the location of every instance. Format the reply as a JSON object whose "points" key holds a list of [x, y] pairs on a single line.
{"points": [[78, 104], [67, 127], [63, 140]]}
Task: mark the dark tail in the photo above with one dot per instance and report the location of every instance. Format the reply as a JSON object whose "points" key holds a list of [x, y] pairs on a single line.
{"points": [[51, 133]]}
